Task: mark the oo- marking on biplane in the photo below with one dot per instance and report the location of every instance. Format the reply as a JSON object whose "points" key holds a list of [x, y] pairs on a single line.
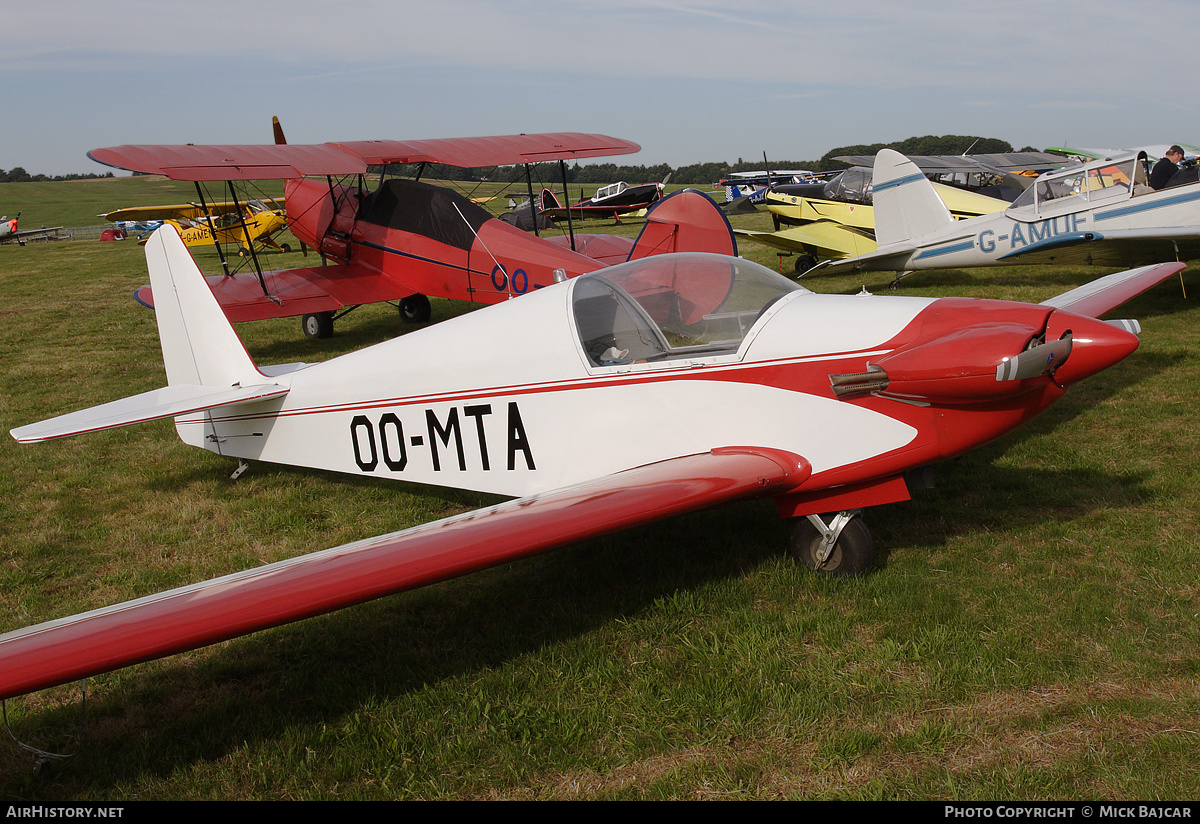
{"points": [[407, 240], [652, 388]]}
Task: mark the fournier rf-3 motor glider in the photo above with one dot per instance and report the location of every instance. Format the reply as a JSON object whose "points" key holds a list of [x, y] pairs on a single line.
{"points": [[1101, 212], [407, 240], [646, 390]]}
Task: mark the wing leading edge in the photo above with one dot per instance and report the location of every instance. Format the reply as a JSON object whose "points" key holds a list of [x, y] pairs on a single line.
{"points": [[273, 161], [76, 647]]}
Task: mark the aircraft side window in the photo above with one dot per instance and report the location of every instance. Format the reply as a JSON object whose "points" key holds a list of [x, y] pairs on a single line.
{"points": [[611, 327]]}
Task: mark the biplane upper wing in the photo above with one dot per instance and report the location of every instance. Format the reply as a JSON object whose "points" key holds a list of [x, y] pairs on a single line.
{"points": [[273, 161], [59, 651]]}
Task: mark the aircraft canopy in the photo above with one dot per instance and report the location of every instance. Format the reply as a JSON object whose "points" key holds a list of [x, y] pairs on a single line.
{"points": [[672, 306]]}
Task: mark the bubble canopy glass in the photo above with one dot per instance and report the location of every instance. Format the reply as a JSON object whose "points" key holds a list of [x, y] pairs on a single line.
{"points": [[672, 306]]}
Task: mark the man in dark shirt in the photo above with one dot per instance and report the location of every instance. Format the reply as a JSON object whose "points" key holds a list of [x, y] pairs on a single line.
{"points": [[1166, 167]]}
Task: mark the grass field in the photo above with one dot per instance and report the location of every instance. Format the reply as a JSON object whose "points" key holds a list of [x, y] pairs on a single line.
{"points": [[1032, 634]]}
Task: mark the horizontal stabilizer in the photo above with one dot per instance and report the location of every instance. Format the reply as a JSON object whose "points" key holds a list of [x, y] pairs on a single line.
{"points": [[1107, 293], [167, 402]]}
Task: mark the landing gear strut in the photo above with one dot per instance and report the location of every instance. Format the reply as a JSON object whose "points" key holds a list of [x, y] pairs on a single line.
{"points": [[839, 544]]}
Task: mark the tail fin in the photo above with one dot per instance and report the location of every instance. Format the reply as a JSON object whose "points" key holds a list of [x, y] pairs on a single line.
{"points": [[685, 221], [906, 204], [199, 345], [207, 366]]}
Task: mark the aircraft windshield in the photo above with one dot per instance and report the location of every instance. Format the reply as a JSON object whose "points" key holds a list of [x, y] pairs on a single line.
{"points": [[1095, 181], [671, 306], [851, 186]]}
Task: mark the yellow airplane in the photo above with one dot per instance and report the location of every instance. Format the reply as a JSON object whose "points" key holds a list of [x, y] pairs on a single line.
{"points": [[262, 219], [836, 219]]}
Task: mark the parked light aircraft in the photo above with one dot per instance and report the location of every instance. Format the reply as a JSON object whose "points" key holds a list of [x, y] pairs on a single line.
{"points": [[755, 184], [615, 199], [835, 219], [1100, 213], [1153, 151], [407, 240], [9, 233], [230, 223], [657, 387]]}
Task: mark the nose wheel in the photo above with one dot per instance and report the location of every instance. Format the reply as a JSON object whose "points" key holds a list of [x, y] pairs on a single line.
{"points": [[839, 544]]}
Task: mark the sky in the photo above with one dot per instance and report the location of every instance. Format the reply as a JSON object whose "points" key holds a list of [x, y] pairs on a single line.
{"points": [[691, 81]]}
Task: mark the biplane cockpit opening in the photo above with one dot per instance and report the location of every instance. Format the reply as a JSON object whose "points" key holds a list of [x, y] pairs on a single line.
{"points": [[661, 308]]}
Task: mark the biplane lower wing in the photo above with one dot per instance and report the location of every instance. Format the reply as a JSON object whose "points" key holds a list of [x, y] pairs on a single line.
{"points": [[94, 642], [295, 292]]}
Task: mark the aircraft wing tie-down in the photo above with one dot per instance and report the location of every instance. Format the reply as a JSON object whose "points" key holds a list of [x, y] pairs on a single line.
{"points": [[741, 382]]}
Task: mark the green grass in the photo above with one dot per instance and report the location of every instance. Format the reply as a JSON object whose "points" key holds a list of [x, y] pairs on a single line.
{"points": [[1032, 634]]}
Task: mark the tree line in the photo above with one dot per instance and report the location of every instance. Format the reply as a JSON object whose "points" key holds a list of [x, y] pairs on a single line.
{"points": [[19, 175], [708, 173], [693, 174]]}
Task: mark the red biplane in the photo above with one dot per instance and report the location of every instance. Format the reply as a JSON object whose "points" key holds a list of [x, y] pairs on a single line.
{"points": [[407, 240]]}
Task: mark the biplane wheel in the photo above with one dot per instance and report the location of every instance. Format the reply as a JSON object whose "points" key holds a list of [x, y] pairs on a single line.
{"points": [[804, 263], [318, 325], [853, 554], [415, 309], [286, 248]]}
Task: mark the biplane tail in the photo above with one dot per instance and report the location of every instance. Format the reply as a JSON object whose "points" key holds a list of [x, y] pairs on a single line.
{"points": [[207, 366], [906, 204], [685, 221]]}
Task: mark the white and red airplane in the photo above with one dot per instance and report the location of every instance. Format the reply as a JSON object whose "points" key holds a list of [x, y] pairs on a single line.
{"points": [[9, 232], [649, 389]]}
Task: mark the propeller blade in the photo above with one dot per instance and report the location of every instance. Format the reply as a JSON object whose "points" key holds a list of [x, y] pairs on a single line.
{"points": [[1036, 361]]}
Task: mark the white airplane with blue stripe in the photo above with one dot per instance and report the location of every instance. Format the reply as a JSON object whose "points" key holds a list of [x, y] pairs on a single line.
{"points": [[1102, 212]]}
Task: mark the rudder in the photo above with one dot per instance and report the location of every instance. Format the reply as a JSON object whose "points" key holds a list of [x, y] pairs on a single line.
{"points": [[199, 345], [906, 204], [685, 221]]}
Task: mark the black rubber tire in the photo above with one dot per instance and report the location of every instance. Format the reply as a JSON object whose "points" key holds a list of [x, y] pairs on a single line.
{"points": [[853, 554], [415, 309], [317, 326], [804, 263]]}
